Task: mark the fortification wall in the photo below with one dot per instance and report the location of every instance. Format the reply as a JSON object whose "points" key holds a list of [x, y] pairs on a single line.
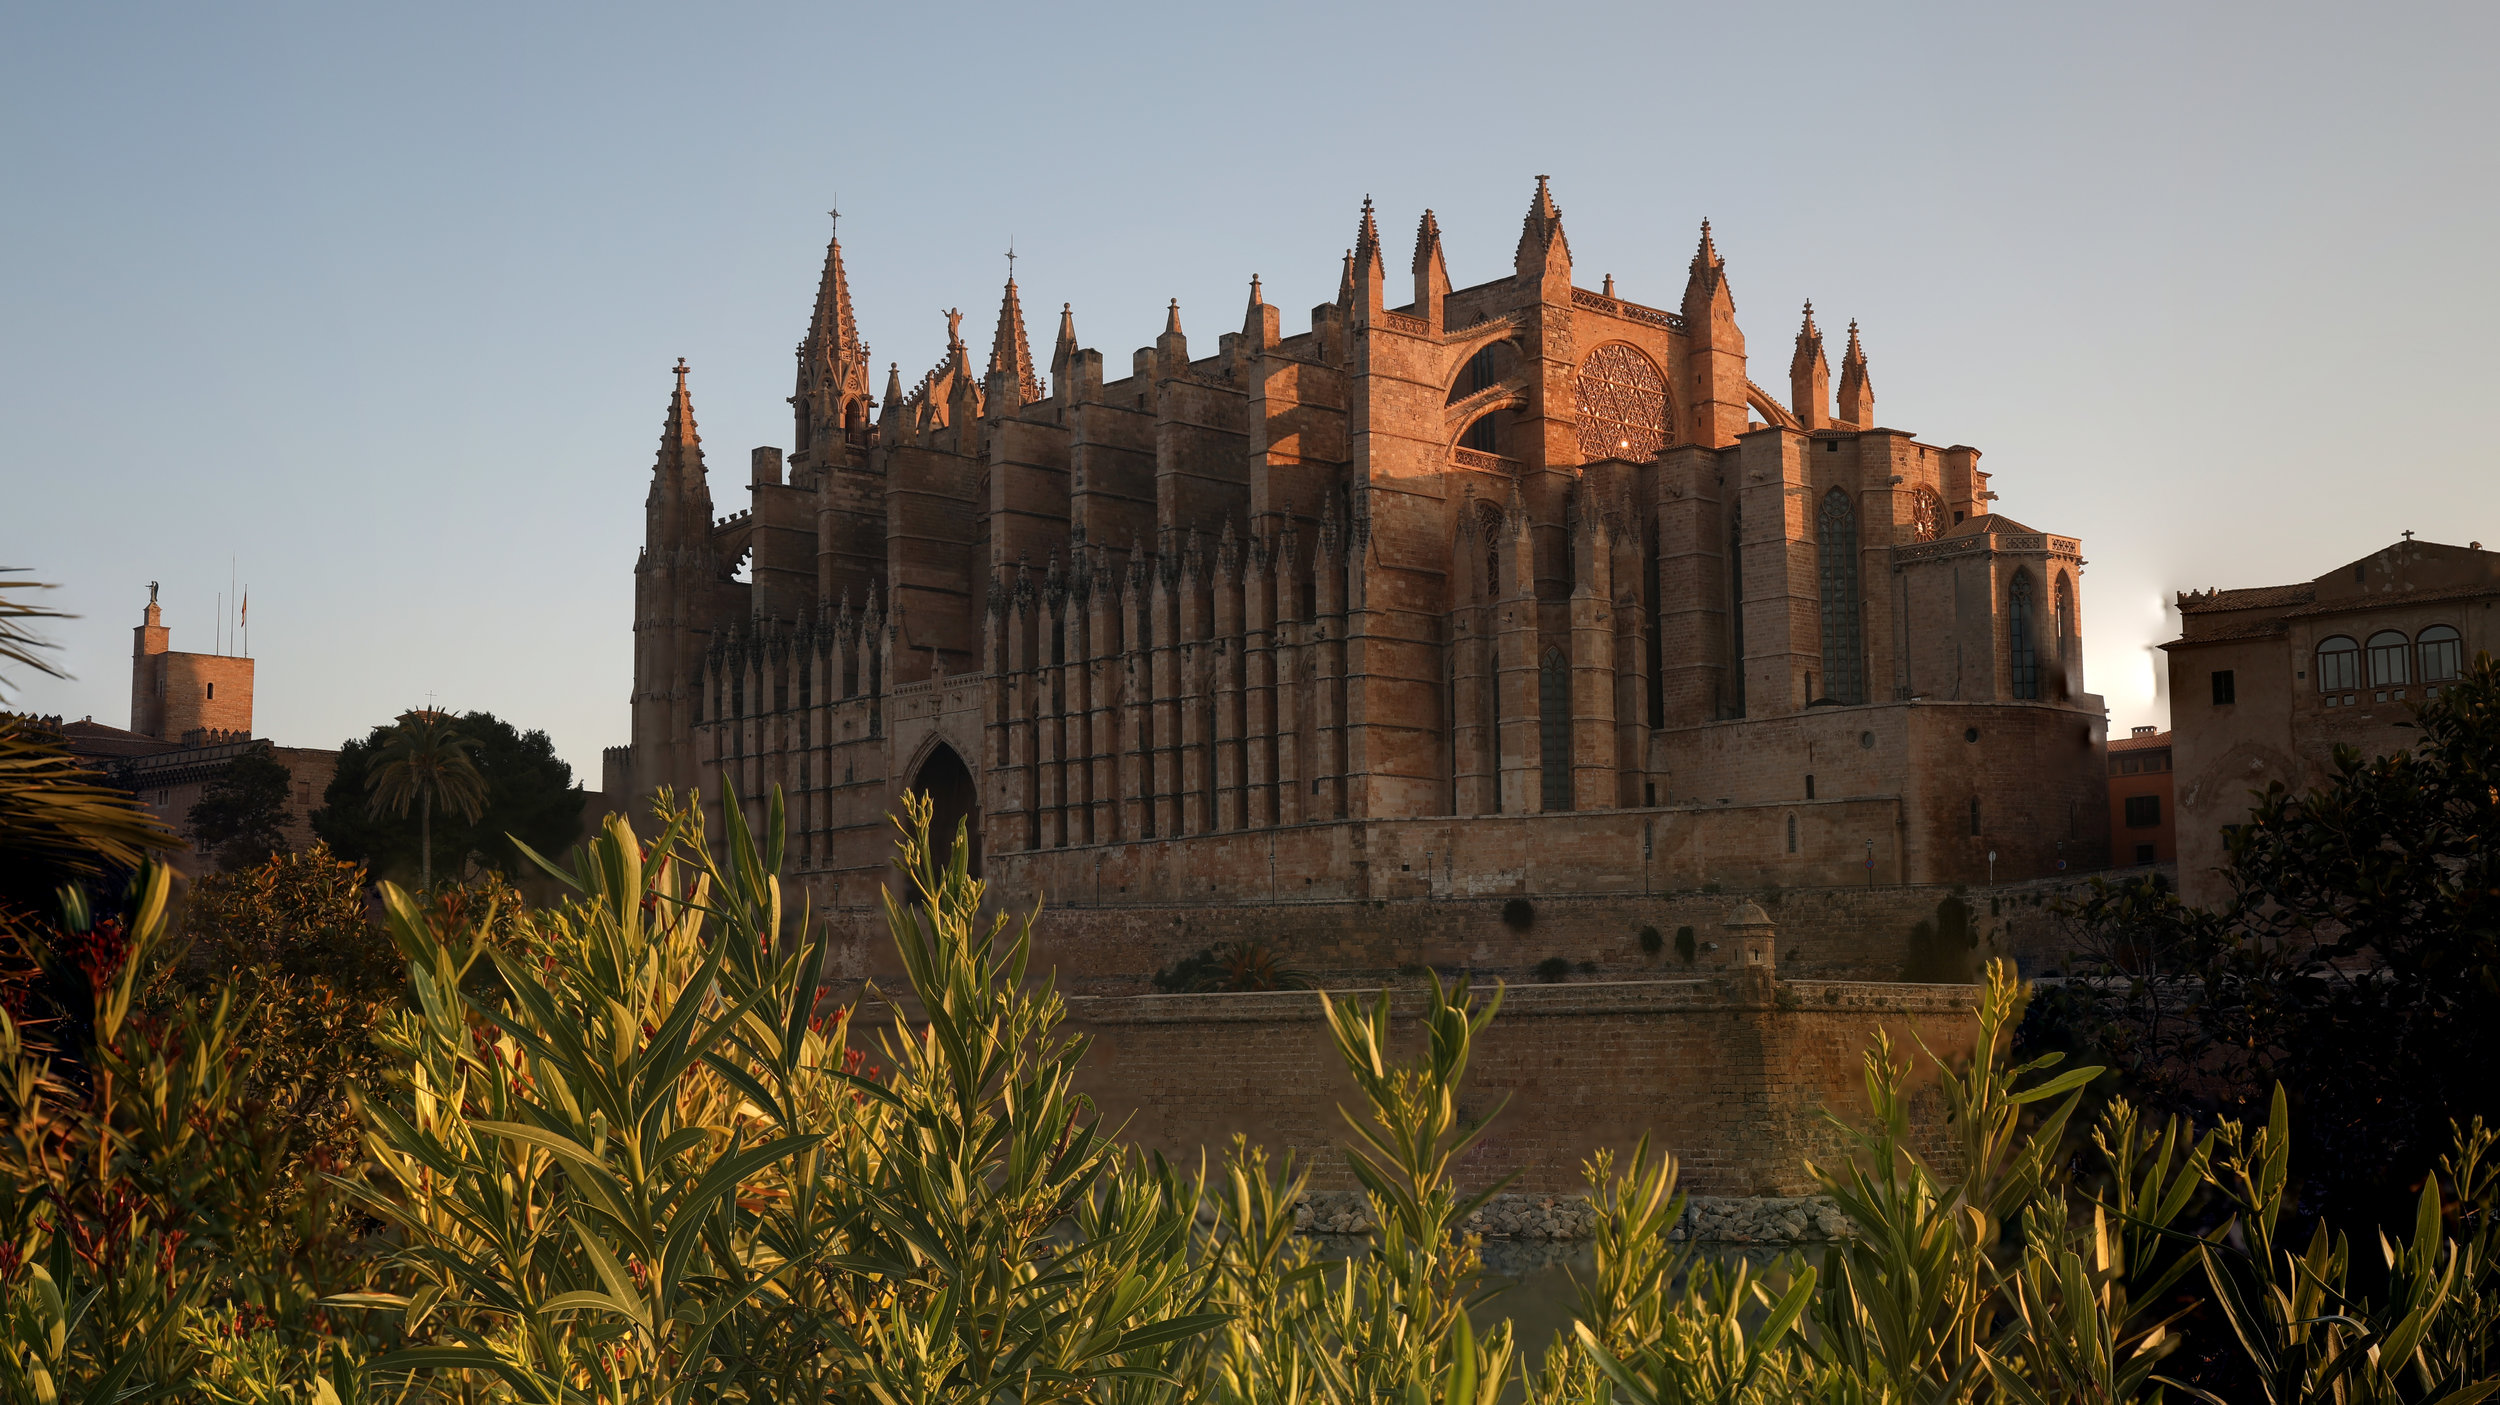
{"points": [[1731, 1076], [1886, 933]]}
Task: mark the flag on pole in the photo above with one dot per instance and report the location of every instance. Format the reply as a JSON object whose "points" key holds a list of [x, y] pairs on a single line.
{"points": [[245, 617]]}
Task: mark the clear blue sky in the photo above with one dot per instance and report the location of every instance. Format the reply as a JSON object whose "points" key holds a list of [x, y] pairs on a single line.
{"points": [[379, 302]]}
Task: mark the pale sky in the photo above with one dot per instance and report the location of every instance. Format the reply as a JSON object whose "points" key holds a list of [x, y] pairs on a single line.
{"points": [[374, 306]]}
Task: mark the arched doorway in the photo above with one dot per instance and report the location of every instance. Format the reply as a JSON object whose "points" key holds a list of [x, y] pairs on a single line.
{"points": [[954, 799]]}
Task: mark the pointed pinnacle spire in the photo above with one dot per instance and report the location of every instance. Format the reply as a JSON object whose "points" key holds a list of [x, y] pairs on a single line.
{"points": [[1541, 229], [1367, 237], [1255, 298], [833, 333], [677, 433], [1010, 353], [1345, 280], [1427, 242], [1857, 388], [1172, 319], [1708, 278], [1065, 348]]}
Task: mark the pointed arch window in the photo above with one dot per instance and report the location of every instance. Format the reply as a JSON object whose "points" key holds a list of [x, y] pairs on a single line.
{"points": [[1836, 539], [1553, 700], [2023, 653], [1623, 405], [1485, 435], [1490, 521], [2062, 630]]}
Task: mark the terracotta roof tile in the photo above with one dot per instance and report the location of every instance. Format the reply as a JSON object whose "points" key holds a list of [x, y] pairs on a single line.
{"points": [[2254, 598]]}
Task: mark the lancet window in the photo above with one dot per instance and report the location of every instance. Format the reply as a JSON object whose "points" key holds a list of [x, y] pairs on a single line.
{"points": [[2023, 654], [1623, 405], [1553, 697], [1836, 537]]}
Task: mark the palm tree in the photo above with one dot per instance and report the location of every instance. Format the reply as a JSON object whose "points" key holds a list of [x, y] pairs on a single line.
{"points": [[426, 760]]}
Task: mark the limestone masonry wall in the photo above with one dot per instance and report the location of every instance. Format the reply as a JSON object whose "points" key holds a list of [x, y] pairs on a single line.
{"points": [[1733, 1079]]}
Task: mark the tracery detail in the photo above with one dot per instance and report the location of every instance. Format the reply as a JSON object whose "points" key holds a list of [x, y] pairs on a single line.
{"points": [[1623, 405], [1926, 515]]}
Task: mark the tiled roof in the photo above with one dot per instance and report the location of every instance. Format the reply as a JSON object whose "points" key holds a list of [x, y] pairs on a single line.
{"points": [[2357, 604], [2143, 743], [2255, 598], [1987, 522], [2247, 629]]}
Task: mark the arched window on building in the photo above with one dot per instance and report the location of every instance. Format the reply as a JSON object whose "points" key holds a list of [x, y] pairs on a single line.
{"points": [[1492, 523], [1736, 606], [1553, 700], [1792, 834], [2339, 664], [1623, 405], [1836, 539], [2062, 630], [2021, 652], [2390, 661], [2442, 653]]}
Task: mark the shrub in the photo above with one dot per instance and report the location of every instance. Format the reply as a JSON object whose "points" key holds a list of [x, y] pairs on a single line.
{"points": [[1519, 914], [1652, 941], [1684, 946], [1552, 968]]}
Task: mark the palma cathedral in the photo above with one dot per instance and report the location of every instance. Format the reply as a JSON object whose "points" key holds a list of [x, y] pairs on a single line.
{"points": [[1518, 588]]}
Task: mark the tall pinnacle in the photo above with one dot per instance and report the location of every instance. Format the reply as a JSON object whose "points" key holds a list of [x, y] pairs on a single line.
{"points": [[677, 478], [833, 333], [1367, 238], [1065, 348], [1540, 230], [1010, 354], [1427, 242]]}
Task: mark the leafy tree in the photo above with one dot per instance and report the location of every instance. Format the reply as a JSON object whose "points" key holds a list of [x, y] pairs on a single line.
{"points": [[295, 914], [529, 795], [2356, 960], [241, 816], [425, 761]]}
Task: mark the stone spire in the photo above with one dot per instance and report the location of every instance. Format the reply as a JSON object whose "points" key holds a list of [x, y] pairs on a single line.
{"points": [[1706, 284], [1011, 356], [1432, 273], [680, 505], [1065, 348], [1261, 325], [893, 393], [832, 390], [1541, 238], [1369, 271], [1172, 348], [1809, 376], [1715, 363], [1857, 392]]}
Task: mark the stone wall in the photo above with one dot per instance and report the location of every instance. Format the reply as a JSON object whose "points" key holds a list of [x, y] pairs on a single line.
{"points": [[1848, 934], [1732, 1074]]}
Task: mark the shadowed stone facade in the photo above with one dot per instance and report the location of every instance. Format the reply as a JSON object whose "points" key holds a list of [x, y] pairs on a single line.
{"points": [[1516, 588]]}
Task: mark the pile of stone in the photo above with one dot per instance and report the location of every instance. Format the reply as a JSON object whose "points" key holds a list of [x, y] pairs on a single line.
{"points": [[1799, 1219]]}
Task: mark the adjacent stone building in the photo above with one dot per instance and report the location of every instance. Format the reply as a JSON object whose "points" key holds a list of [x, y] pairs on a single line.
{"points": [[2266, 682], [1521, 587], [2143, 804], [190, 717]]}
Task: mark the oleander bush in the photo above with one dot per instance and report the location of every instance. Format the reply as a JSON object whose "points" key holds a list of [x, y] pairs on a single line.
{"points": [[623, 1150]]}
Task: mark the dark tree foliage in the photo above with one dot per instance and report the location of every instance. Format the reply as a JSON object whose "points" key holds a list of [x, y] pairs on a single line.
{"points": [[241, 816], [529, 795], [2357, 961]]}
